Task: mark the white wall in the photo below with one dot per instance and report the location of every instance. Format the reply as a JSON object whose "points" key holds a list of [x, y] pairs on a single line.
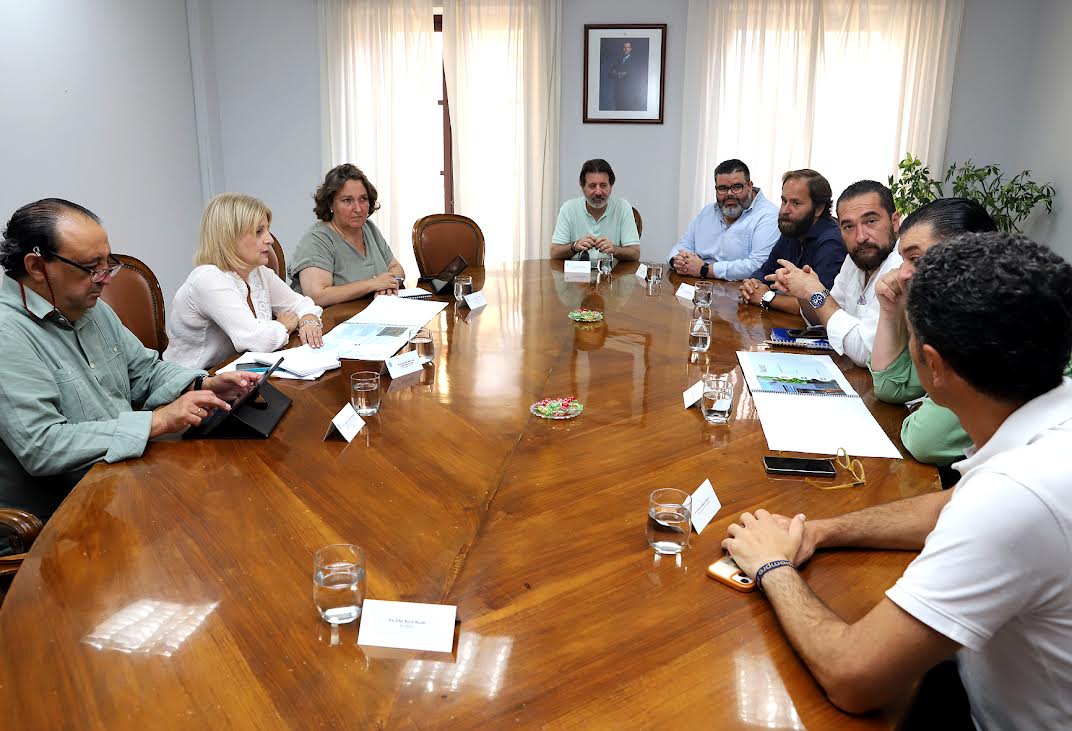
{"points": [[262, 83], [98, 108], [644, 156], [1046, 122]]}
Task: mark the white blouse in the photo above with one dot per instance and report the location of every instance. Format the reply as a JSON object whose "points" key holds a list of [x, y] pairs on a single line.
{"points": [[209, 318]]}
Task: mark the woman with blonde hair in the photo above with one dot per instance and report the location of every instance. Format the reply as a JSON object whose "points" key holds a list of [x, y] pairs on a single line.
{"points": [[232, 301]]}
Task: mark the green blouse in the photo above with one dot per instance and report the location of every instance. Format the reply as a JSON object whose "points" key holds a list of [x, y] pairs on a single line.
{"points": [[323, 248]]}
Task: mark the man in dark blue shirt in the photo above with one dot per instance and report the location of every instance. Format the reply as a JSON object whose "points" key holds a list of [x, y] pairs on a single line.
{"points": [[810, 236]]}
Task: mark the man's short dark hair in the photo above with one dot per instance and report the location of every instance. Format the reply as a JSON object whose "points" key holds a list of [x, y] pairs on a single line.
{"points": [[863, 187], [996, 307], [818, 188], [324, 197], [34, 225], [596, 165], [731, 166], [950, 217]]}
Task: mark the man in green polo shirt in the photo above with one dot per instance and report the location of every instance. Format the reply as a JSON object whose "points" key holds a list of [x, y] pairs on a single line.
{"points": [[78, 386], [596, 225]]}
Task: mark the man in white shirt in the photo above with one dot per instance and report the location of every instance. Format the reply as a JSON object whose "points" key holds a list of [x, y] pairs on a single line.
{"points": [[990, 330], [868, 222]]}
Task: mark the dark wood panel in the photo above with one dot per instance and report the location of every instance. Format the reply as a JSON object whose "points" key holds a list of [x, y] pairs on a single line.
{"points": [[176, 590]]}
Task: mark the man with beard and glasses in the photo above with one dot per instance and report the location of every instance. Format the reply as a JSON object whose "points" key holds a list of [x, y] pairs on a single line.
{"points": [[850, 309], [730, 238], [596, 224], [810, 236], [78, 386]]}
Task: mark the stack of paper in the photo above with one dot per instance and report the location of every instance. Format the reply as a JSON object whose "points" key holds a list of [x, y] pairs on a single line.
{"points": [[805, 404], [302, 361]]}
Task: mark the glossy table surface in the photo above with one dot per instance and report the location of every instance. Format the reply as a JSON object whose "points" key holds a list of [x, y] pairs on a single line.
{"points": [[175, 590]]}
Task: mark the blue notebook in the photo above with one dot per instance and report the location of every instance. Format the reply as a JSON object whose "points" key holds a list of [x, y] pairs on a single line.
{"points": [[780, 336]]}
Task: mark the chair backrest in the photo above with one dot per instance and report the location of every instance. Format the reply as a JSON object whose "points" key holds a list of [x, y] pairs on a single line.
{"points": [[639, 222], [134, 293], [276, 261], [21, 528], [438, 238]]}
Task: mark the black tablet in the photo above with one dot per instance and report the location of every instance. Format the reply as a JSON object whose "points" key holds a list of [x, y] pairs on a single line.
{"points": [[446, 277], [217, 416]]}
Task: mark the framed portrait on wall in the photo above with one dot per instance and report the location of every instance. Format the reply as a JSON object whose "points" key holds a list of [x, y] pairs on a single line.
{"points": [[624, 73]]}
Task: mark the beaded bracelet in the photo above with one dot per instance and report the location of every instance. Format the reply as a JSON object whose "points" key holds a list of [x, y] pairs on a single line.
{"points": [[770, 567]]}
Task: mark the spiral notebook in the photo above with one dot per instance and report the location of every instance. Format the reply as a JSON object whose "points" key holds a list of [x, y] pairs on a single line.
{"points": [[805, 404], [780, 337]]}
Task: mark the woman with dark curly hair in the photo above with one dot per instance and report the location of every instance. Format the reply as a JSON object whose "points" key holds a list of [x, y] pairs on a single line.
{"points": [[344, 256]]}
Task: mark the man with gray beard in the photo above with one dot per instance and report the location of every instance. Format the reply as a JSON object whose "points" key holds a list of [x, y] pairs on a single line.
{"points": [[730, 238]]}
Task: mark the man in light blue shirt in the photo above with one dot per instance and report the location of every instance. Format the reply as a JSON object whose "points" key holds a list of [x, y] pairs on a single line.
{"points": [[596, 224], [731, 237]]}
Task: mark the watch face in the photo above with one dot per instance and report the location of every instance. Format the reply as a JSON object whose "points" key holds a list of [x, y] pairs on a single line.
{"points": [[817, 300], [768, 297]]}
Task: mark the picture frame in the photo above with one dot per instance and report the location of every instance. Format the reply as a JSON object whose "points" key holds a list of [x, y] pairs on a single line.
{"points": [[624, 73]]}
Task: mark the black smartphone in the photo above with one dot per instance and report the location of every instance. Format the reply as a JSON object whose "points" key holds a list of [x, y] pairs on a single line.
{"points": [[815, 331], [799, 466]]}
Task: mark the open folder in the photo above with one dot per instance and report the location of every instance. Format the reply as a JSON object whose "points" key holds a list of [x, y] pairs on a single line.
{"points": [[805, 404]]}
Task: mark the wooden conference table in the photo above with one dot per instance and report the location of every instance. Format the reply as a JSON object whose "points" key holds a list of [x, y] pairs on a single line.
{"points": [[175, 590]]}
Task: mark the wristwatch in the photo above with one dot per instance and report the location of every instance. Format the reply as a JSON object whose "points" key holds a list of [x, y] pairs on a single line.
{"points": [[704, 269], [767, 298], [818, 299], [198, 383]]}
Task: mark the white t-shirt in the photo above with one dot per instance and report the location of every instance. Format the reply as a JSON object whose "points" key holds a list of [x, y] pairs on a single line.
{"points": [[995, 574], [210, 318], [851, 330]]}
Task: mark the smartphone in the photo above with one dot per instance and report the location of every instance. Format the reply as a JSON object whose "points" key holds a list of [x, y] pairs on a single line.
{"points": [[799, 466], [726, 571], [817, 332]]}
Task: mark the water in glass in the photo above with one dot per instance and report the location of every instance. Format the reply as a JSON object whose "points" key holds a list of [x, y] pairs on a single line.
{"points": [[702, 296], [462, 287], [668, 528], [655, 273], [606, 263], [422, 342], [716, 406], [365, 393], [699, 336], [339, 591]]}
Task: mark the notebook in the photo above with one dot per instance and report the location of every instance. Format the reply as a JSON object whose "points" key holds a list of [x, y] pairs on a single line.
{"points": [[414, 293], [780, 337]]}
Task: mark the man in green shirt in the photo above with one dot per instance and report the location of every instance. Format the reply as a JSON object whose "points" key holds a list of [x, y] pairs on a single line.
{"points": [[78, 387], [596, 225]]}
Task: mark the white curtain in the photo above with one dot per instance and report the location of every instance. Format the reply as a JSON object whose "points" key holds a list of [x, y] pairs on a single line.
{"points": [[846, 87], [503, 77], [381, 79]]}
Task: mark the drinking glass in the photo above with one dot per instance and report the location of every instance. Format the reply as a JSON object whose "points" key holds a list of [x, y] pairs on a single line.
{"points": [[462, 287], [699, 335], [339, 582], [606, 264], [655, 272], [365, 392], [422, 342], [717, 397], [702, 296], [669, 516]]}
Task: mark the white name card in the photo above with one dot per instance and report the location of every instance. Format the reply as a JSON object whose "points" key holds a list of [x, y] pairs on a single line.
{"points": [[704, 506], [476, 300], [685, 291], [642, 271], [693, 393], [407, 625], [403, 363], [347, 423], [577, 267]]}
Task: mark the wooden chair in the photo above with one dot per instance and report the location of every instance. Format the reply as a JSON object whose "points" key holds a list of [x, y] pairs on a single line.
{"points": [[639, 222], [276, 261], [438, 238], [134, 293], [22, 529]]}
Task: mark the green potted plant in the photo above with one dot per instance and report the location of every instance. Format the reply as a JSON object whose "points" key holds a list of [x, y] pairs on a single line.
{"points": [[1008, 200]]}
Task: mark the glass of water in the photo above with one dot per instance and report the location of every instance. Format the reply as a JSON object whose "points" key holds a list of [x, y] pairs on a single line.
{"points": [[605, 264], [424, 345], [717, 397], [339, 582], [702, 296], [462, 287], [365, 392], [669, 516], [655, 272], [699, 335]]}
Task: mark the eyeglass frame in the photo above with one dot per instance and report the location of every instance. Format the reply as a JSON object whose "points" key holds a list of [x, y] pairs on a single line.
{"points": [[95, 275], [736, 188], [845, 461]]}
